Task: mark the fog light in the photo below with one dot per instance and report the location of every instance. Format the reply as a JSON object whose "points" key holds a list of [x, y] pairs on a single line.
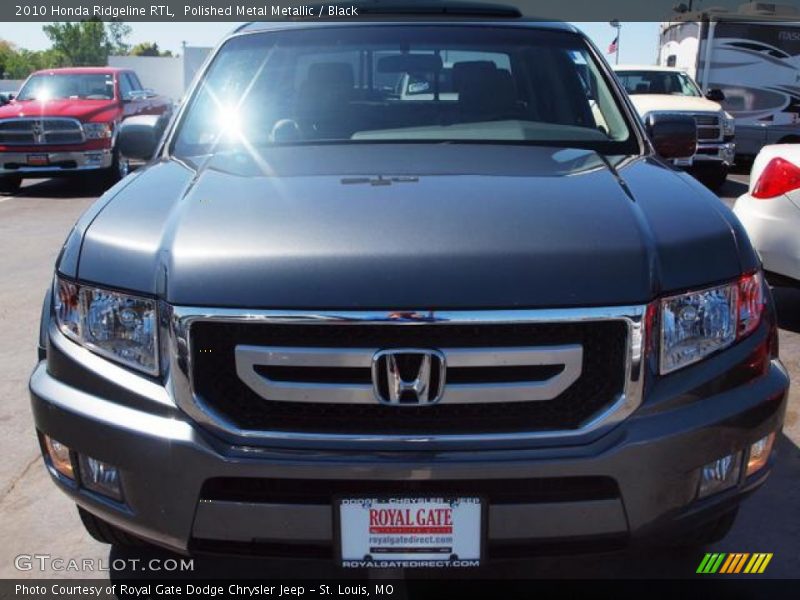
{"points": [[720, 475], [100, 477], [59, 456], [759, 454]]}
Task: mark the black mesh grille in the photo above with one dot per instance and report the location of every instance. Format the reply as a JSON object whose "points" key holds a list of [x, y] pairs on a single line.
{"points": [[216, 382]]}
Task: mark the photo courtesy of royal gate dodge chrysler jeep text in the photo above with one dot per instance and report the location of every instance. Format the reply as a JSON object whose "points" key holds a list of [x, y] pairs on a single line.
{"points": [[407, 294]]}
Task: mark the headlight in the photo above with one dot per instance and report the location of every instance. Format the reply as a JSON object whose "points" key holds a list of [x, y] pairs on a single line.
{"points": [[115, 325], [728, 124], [98, 131], [697, 324]]}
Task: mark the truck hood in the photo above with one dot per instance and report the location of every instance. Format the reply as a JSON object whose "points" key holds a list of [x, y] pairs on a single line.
{"points": [[646, 103], [83, 110], [406, 226]]}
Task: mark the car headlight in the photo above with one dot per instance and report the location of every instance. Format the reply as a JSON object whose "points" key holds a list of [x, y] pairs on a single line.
{"points": [[98, 131], [118, 326], [728, 124], [697, 324]]}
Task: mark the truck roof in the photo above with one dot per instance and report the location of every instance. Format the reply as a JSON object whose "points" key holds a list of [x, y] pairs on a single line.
{"points": [[532, 23], [647, 68], [80, 70]]}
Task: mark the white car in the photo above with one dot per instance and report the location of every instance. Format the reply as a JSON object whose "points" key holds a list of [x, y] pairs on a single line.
{"points": [[656, 90], [770, 210]]}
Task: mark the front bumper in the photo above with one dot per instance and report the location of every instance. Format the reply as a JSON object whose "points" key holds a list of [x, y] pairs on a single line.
{"points": [[708, 154], [639, 479], [57, 163]]}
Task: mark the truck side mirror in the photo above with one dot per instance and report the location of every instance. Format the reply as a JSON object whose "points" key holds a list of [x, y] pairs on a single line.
{"points": [[715, 95], [673, 136], [139, 136]]}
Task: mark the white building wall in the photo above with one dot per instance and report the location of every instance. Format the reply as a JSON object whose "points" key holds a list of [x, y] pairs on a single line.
{"points": [[193, 59], [164, 74], [167, 75], [11, 85]]}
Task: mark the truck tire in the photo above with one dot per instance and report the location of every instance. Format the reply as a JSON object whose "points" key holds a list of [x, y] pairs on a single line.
{"points": [[10, 184], [106, 533], [120, 167], [707, 533], [712, 176]]}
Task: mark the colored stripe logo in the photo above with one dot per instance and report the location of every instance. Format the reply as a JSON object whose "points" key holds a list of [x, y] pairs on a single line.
{"points": [[733, 563]]}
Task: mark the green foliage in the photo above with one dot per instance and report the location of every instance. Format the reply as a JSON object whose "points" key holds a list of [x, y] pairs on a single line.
{"points": [[17, 63], [118, 33], [149, 49], [87, 43], [81, 44]]}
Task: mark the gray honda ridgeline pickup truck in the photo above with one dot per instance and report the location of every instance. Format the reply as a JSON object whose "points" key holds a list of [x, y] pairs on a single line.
{"points": [[471, 320]]}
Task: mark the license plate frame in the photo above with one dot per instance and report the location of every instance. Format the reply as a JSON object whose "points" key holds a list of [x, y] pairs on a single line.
{"points": [[387, 561], [683, 162], [37, 160]]}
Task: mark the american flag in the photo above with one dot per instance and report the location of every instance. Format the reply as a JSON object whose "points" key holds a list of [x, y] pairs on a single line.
{"points": [[612, 47]]}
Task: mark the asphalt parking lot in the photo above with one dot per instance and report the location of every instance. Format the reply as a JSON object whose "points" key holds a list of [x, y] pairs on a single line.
{"points": [[37, 519]]}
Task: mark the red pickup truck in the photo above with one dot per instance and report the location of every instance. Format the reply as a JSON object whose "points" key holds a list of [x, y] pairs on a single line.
{"points": [[65, 121]]}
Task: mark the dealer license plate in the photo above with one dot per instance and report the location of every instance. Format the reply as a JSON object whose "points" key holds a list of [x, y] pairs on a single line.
{"points": [[38, 160], [410, 532]]}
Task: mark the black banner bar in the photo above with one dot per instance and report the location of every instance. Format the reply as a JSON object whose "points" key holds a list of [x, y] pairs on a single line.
{"points": [[454, 585], [263, 10]]}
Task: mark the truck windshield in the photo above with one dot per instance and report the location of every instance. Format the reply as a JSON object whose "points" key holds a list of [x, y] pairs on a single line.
{"points": [[400, 83], [658, 82], [87, 86]]}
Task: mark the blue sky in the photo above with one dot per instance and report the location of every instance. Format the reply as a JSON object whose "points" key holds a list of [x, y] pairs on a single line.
{"points": [[638, 41]]}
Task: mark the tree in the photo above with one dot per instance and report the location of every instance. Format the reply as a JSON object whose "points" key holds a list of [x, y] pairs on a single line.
{"points": [[18, 63], [81, 44], [149, 49], [7, 52], [118, 33], [88, 43]]}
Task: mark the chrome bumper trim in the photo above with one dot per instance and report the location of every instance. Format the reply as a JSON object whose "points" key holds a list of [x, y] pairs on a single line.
{"points": [[81, 158]]}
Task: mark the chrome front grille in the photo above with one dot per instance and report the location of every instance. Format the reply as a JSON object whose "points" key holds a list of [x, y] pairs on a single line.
{"points": [[709, 128], [352, 375], [261, 377], [30, 131]]}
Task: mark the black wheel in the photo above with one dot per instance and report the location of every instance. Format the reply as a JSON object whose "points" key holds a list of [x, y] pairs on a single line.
{"points": [[707, 533], [712, 176], [108, 534], [10, 184], [120, 167]]}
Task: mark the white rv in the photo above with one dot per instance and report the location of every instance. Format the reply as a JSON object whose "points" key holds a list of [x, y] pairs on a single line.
{"points": [[752, 56]]}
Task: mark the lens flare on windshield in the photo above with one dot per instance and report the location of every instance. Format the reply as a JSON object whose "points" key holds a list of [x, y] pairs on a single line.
{"points": [[43, 94], [229, 121]]}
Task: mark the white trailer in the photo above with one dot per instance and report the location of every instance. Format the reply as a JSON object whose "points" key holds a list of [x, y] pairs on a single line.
{"points": [[752, 56]]}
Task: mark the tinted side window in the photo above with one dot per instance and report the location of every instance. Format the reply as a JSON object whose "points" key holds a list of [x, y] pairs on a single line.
{"points": [[135, 83], [125, 87]]}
